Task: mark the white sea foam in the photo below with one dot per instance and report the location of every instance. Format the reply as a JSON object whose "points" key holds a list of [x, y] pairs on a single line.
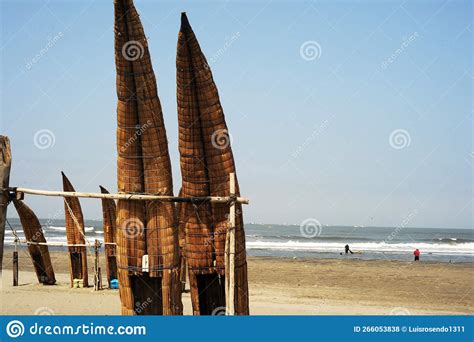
{"points": [[435, 248], [63, 229]]}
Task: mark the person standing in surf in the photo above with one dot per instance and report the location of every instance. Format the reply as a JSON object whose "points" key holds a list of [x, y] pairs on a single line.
{"points": [[348, 250], [417, 253]]}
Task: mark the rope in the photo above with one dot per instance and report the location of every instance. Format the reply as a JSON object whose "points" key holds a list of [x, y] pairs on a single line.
{"points": [[78, 226], [196, 212], [17, 239], [232, 199], [89, 251]]}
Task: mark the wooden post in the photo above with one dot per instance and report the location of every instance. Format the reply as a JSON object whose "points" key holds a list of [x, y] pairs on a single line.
{"points": [[97, 276], [230, 302], [15, 264], [5, 165]]}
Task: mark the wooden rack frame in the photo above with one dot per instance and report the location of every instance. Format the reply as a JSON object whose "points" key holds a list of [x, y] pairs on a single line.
{"points": [[19, 193]]}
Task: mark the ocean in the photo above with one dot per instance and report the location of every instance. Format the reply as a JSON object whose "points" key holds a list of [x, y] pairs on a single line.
{"points": [[293, 241]]}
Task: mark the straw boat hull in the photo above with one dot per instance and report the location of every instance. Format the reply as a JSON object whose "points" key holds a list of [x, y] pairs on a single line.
{"points": [[144, 229], [39, 253], [206, 161], [109, 217], [75, 234]]}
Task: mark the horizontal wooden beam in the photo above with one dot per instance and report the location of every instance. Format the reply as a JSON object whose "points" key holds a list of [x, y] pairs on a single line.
{"points": [[123, 196], [60, 244]]}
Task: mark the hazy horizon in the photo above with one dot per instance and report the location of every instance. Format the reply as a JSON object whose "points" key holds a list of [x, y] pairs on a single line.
{"points": [[281, 224]]}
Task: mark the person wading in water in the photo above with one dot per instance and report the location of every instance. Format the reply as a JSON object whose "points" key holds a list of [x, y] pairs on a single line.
{"points": [[417, 253], [348, 250]]}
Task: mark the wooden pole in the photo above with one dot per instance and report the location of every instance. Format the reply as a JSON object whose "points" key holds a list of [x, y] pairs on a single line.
{"points": [[138, 197], [227, 273], [97, 280], [231, 297], [15, 264], [5, 165]]}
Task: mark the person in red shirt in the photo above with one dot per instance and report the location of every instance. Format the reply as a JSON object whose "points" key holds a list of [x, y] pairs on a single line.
{"points": [[417, 253]]}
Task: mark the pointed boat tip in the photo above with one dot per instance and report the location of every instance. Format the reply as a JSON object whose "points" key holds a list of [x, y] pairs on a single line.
{"points": [[63, 174], [103, 190], [184, 21]]}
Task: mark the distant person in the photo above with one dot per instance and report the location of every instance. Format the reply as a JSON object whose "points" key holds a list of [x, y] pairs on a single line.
{"points": [[348, 250], [417, 253]]}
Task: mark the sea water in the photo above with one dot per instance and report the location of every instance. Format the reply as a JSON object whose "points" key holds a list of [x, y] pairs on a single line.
{"points": [[293, 241]]}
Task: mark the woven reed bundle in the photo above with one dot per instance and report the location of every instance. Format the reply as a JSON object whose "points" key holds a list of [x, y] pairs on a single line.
{"points": [[39, 253], [75, 235], [109, 216], [206, 161], [144, 166]]}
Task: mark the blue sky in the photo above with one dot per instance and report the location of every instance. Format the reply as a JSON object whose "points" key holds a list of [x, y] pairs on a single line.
{"points": [[351, 113]]}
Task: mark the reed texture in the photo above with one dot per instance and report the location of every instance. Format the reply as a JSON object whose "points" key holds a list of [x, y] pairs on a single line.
{"points": [[75, 235], [206, 161], [143, 228], [39, 253], [109, 217]]}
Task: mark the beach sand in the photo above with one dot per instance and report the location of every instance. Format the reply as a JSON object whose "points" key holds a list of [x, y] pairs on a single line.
{"points": [[277, 287]]}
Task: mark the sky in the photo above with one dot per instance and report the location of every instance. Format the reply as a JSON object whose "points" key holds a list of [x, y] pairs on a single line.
{"points": [[347, 113]]}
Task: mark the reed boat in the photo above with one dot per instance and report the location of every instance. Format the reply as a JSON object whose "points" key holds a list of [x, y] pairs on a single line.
{"points": [[206, 161], [75, 235], [109, 218], [39, 253], [147, 232]]}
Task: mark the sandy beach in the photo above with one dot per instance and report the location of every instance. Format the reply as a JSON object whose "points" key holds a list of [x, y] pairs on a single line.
{"points": [[277, 287]]}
